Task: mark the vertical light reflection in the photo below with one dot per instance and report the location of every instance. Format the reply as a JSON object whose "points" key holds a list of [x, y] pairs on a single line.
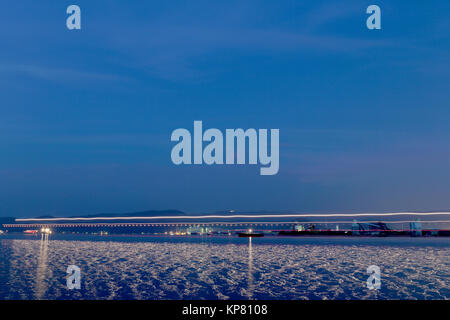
{"points": [[42, 268], [250, 269]]}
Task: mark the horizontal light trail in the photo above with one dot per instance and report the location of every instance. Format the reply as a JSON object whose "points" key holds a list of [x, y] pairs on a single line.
{"points": [[244, 216]]}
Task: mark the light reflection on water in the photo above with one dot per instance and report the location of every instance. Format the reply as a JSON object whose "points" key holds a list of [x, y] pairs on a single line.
{"points": [[42, 272], [250, 270], [202, 268]]}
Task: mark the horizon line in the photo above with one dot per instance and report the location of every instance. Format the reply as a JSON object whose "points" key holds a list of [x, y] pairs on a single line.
{"points": [[239, 216]]}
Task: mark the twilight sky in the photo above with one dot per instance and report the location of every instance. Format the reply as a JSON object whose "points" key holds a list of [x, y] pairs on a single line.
{"points": [[86, 116]]}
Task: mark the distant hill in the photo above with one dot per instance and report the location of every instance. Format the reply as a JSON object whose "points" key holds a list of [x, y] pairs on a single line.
{"points": [[178, 213], [148, 213], [254, 212]]}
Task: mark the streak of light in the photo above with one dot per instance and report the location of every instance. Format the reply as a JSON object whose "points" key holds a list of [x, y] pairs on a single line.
{"points": [[245, 216]]}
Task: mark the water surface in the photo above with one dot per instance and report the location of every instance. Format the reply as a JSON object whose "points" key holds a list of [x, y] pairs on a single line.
{"points": [[150, 267]]}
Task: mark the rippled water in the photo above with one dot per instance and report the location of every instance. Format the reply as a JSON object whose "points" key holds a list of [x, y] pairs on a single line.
{"points": [[224, 268]]}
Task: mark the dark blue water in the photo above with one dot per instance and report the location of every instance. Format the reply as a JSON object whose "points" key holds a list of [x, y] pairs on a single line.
{"points": [[152, 267]]}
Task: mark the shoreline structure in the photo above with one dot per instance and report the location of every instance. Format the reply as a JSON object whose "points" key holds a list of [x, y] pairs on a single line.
{"points": [[360, 224]]}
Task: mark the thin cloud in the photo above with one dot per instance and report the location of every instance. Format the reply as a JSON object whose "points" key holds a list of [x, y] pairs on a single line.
{"points": [[57, 74], [173, 44]]}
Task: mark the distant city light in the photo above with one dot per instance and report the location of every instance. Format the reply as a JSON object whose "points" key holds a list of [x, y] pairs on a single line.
{"points": [[46, 231]]}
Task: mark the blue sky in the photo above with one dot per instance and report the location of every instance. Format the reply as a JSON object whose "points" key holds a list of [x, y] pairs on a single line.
{"points": [[86, 116]]}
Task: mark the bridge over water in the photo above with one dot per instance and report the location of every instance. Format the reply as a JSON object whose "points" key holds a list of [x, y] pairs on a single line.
{"points": [[274, 222]]}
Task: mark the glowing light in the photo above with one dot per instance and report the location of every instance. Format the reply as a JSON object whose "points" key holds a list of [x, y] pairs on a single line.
{"points": [[46, 231]]}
